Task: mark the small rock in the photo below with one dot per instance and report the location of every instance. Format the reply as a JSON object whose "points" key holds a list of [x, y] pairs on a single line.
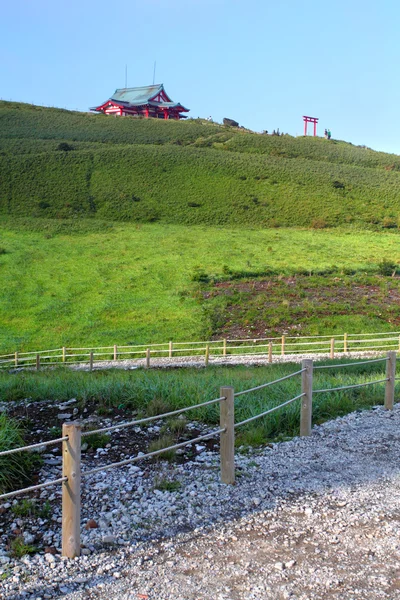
{"points": [[108, 539], [91, 524], [49, 558]]}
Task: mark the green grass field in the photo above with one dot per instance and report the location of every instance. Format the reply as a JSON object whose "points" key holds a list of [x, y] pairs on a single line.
{"points": [[65, 284]]}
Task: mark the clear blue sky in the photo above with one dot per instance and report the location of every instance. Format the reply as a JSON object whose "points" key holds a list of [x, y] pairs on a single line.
{"points": [[264, 63]]}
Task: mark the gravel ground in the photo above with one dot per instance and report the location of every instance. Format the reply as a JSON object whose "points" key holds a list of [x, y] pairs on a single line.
{"points": [[239, 359], [312, 518]]}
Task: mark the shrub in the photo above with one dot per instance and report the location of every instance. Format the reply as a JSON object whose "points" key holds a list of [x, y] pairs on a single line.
{"points": [[387, 268], [65, 147], [43, 204], [200, 276], [389, 223], [319, 223], [3, 250], [338, 185]]}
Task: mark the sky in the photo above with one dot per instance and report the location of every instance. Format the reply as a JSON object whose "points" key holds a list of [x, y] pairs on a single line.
{"points": [[263, 63]]}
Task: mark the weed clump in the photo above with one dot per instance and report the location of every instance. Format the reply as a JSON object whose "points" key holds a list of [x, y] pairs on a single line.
{"points": [[18, 547], [166, 485], [163, 442]]}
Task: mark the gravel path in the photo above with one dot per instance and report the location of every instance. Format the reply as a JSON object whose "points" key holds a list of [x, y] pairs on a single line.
{"points": [[231, 360], [313, 518]]}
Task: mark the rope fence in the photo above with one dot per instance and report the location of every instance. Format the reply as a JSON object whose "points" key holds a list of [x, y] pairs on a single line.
{"points": [[33, 446], [128, 461], [72, 472], [32, 488], [155, 418], [333, 345]]}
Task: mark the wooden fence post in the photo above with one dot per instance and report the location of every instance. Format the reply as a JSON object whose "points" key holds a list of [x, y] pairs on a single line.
{"points": [[306, 401], [37, 362], [283, 345], [390, 383], [224, 350], [148, 358], [16, 359], [345, 342], [91, 361], [227, 438], [170, 350], [64, 353], [71, 490], [332, 351], [207, 355], [270, 352], [115, 352]]}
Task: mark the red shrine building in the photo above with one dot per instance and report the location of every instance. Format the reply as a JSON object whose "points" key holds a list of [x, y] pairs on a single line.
{"points": [[148, 101]]}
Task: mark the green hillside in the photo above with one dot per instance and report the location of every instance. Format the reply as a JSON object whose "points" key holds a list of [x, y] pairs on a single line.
{"points": [[123, 230], [189, 172]]}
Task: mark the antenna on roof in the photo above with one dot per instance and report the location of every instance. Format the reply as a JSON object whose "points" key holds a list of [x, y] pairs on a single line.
{"points": [[126, 76], [154, 72]]}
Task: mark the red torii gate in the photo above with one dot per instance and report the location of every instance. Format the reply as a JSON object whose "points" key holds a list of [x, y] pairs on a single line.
{"points": [[310, 120]]}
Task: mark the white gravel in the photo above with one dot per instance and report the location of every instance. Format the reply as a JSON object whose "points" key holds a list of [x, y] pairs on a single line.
{"points": [[231, 360], [312, 518]]}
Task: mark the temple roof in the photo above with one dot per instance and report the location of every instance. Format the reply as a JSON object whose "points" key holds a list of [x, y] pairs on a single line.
{"points": [[139, 96]]}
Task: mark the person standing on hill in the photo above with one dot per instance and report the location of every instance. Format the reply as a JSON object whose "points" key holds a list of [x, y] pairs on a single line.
{"points": [[329, 134]]}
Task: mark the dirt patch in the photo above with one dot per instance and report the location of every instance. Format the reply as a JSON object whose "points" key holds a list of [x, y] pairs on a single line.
{"points": [[300, 305]]}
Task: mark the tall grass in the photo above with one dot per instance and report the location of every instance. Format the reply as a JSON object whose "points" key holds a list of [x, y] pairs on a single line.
{"points": [[135, 391], [15, 469]]}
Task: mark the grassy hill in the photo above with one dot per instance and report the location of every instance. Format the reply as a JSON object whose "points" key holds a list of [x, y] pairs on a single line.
{"points": [[188, 173], [122, 230]]}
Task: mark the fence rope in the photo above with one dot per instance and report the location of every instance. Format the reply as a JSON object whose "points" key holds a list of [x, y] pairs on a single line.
{"points": [[32, 446], [353, 364], [149, 454], [33, 487], [259, 387], [267, 412], [155, 418], [348, 387]]}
